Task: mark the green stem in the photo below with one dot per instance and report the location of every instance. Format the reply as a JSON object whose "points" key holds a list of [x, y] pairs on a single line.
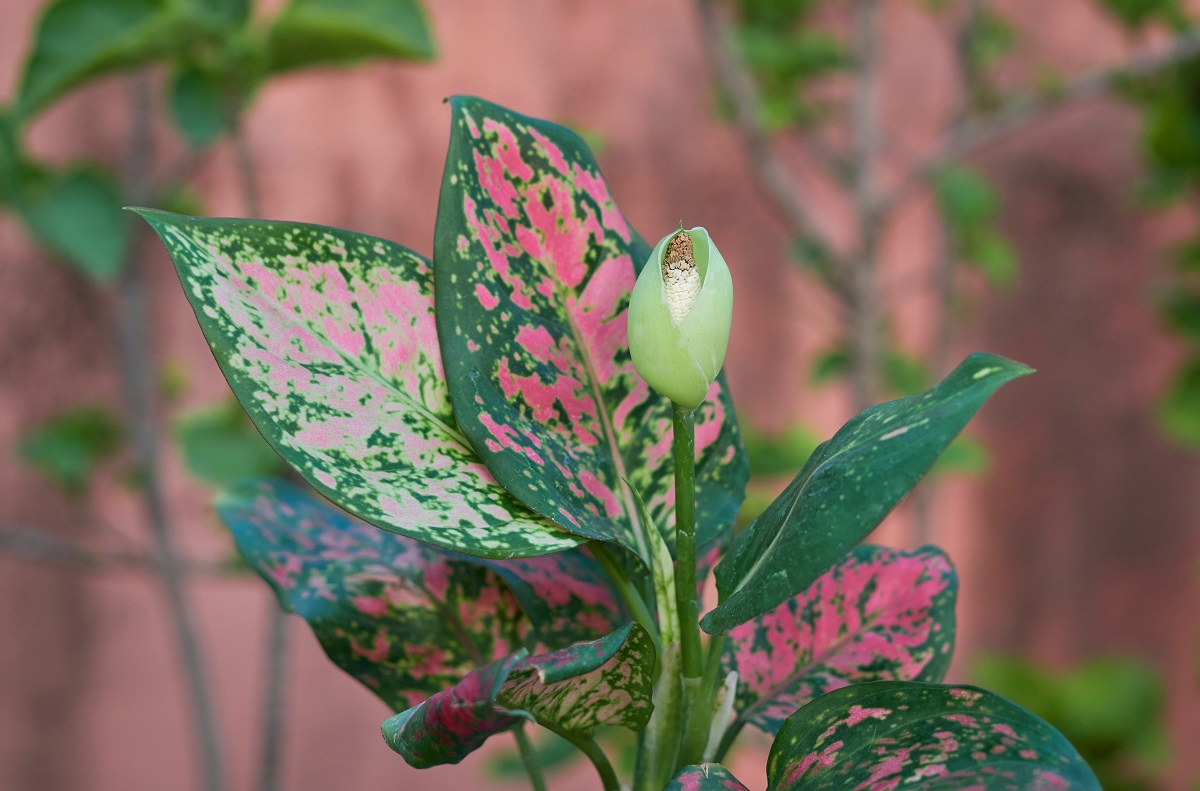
{"points": [[700, 723], [628, 592], [529, 758], [687, 603], [599, 760]]}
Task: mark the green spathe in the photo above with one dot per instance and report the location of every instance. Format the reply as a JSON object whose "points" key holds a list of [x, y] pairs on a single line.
{"points": [[680, 359]]}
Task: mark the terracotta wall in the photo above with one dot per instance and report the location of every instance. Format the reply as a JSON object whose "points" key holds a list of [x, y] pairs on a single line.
{"points": [[1082, 539]]}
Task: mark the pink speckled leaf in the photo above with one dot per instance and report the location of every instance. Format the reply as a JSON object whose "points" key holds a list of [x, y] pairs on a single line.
{"points": [[705, 777], [535, 264], [890, 735], [572, 691], [328, 339], [879, 615], [404, 618]]}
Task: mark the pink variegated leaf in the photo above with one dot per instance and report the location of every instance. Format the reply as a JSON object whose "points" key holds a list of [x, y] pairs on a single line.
{"points": [[890, 735], [328, 339], [572, 692], [880, 615], [535, 264], [705, 777], [406, 619]]}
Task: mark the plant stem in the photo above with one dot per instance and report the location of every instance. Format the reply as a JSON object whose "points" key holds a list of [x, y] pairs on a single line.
{"points": [[700, 720], [529, 758], [599, 760], [687, 603], [138, 384], [274, 697], [628, 592]]}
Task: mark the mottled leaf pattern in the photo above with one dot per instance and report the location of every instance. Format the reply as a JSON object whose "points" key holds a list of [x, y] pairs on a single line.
{"points": [[705, 777], [880, 615], [846, 488], [571, 691], [535, 264], [897, 735], [328, 340], [402, 617]]}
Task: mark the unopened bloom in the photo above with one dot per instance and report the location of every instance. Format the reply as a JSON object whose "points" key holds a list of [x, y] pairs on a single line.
{"points": [[679, 316]]}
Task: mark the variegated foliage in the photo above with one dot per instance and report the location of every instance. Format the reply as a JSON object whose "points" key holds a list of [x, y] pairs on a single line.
{"points": [[572, 692], [328, 339], [892, 735], [879, 615], [535, 264], [404, 618], [705, 777]]}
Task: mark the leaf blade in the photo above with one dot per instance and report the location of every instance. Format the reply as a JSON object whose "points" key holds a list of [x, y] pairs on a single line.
{"points": [[309, 33], [705, 777]]}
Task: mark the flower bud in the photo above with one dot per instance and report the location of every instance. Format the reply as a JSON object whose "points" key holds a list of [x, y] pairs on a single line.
{"points": [[679, 316]]}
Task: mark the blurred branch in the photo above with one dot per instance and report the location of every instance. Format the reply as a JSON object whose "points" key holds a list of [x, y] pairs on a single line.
{"points": [[770, 172], [46, 547], [138, 383], [864, 316], [1030, 107]]}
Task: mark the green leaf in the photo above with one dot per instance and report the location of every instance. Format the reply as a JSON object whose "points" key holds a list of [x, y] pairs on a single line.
{"points": [[896, 734], [535, 264], [967, 199], [11, 161], [830, 365], [328, 340], [993, 256], [1181, 313], [1136, 13], [572, 692], [964, 456], [551, 751], [780, 454], [705, 777], [846, 489], [1179, 409], [78, 40], [220, 445], [310, 33], [77, 215], [198, 107], [905, 374], [880, 615], [403, 618], [69, 448]]}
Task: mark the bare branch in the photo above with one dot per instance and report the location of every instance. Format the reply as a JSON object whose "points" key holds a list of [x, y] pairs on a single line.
{"points": [[1028, 108], [769, 170], [44, 546]]}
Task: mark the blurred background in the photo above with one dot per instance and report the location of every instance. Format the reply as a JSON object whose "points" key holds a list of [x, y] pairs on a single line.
{"points": [[895, 183]]}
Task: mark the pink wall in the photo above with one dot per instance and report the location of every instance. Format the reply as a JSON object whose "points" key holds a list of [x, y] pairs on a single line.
{"points": [[1082, 539]]}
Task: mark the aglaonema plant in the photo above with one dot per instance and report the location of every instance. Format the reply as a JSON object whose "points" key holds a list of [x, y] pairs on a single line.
{"points": [[537, 421]]}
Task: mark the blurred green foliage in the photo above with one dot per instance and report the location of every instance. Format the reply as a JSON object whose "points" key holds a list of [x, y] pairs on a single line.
{"points": [[220, 445], [1112, 709], [69, 448]]}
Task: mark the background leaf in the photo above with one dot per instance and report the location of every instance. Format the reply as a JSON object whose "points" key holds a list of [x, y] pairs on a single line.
{"points": [[199, 108], [705, 777], [220, 445], [535, 264], [69, 448], [895, 734], [571, 691], [77, 40], [327, 338], [880, 615], [334, 32], [846, 488], [77, 215]]}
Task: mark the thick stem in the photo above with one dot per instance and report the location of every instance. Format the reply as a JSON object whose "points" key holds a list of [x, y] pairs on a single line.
{"points": [[138, 384], [274, 698], [529, 758], [700, 719], [628, 592], [687, 603], [599, 760]]}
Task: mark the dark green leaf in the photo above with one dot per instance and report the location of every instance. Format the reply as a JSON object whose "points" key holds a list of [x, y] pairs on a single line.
{"points": [[779, 454], [198, 107], [572, 692], [705, 777], [77, 215], [551, 751], [830, 365], [534, 265], [333, 32], [992, 255], [77, 40], [896, 734], [846, 489], [328, 340], [965, 456], [68, 448], [1136, 13], [10, 160], [1181, 312], [905, 374], [220, 445], [967, 199]]}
